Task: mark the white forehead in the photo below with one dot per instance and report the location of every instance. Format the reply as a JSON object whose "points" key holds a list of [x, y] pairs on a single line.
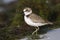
{"points": [[26, 9]]}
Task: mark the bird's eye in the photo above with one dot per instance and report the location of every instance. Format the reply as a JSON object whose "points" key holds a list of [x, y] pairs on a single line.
{"points": [[26, 10]]}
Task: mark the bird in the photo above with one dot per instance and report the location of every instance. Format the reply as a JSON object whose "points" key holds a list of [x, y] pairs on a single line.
{"points": [[34, 20]]}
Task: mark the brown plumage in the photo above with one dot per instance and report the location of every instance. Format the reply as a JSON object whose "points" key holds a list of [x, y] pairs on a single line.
{"points": [[37, 19]]}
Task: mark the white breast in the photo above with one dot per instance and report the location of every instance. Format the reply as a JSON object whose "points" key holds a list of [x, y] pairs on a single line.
{"points": [[31, 23]]}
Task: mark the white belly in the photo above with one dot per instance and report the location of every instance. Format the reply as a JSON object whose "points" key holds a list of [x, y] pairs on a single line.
{"points": [[31, 23]]}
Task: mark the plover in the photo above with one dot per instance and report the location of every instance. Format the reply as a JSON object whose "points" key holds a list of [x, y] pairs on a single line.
{"points": [[34, 20]]}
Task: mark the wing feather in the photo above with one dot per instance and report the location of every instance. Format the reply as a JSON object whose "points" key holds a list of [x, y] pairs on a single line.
{"points": [[37, 19]]}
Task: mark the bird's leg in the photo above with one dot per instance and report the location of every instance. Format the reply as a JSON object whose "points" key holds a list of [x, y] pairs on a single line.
{"points": [[37, 28]]}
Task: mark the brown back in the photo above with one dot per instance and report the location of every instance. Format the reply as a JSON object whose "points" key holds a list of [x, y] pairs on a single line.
{"points": [[37, 19]]}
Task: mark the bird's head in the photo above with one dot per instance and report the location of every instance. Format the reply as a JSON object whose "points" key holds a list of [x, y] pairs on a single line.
{"points": [[27, 11]]}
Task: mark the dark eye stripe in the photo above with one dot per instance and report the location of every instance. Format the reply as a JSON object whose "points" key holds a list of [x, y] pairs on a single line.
{"points": [[27, 11]]}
